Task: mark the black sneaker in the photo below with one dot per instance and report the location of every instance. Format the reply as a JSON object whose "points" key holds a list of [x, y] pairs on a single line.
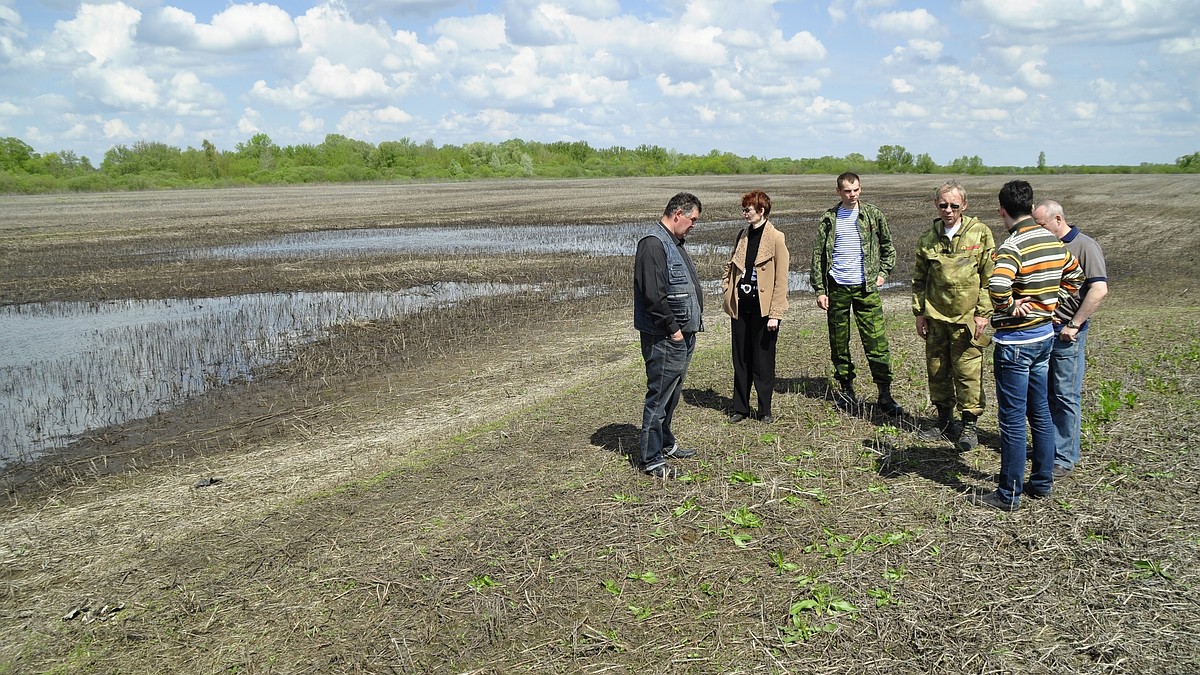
{"points": [[664, 471], [994, 500], [676, 452], [737, 417], [1061, 471], [1028, 491], [767, 419]]}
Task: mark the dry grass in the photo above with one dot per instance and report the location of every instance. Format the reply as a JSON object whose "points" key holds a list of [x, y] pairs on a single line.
{"points": [[475, 513]]}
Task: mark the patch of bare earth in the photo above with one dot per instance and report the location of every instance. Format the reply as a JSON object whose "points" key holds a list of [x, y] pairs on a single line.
{"points": [[472, 511]]}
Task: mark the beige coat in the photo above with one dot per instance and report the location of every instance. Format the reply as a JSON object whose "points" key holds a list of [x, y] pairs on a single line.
{"points": [[772, 265]]}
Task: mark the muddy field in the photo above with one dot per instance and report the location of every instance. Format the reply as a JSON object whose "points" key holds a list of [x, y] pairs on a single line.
{"points": [[448, 492]]}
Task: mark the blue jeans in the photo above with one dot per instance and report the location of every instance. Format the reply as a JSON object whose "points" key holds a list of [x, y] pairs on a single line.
{"points": [[666, 363], [1066, 396], [1022, 372]]}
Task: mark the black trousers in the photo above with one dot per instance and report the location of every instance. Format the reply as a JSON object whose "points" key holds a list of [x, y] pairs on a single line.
{"points": [[753, 358]]}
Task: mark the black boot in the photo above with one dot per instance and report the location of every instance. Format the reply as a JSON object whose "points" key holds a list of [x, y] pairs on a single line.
{"points": [[886, 404], [939, 429], [844, 396], [968, 438]]}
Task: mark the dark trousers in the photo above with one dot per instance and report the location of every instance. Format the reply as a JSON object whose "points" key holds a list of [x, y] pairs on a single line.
{"points": [[666, 364], [753, 359]]}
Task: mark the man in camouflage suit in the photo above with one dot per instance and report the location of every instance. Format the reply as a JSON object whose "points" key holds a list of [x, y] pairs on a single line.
{"points": [[851, 259], [952, 306]]}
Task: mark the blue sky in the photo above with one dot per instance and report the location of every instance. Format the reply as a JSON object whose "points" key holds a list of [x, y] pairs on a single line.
{"points": [[1085, 81]]}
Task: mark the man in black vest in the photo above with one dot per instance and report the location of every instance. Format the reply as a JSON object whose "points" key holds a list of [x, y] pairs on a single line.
{"points": [[668, 311]]}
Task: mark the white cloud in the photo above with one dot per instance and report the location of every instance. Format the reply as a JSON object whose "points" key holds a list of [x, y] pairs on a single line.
{"points": [[901, 86], [909, 110], [1182, 46], [915, 22], [914, 52], [989, 114], [117, 129], [1032, 75], [1085, 110], [250, 122], [105, 32], [238, 28], [187, 95], [310, 124], [1103, 21], [370, 123], [326, 82]]}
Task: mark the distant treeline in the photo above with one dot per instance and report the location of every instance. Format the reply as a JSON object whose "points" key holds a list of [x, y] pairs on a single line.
{"points": [[259, 161]]}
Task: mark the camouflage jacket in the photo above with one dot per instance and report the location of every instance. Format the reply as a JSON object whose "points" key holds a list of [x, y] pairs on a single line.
{"points": [[879, 255], [950, 276]]}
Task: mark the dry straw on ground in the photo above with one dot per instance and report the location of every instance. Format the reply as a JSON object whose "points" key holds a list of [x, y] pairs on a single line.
{"points": [[452, 494]]}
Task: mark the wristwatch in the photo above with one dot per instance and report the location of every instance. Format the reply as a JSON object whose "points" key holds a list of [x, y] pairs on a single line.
{"points": [[1072, 325]]}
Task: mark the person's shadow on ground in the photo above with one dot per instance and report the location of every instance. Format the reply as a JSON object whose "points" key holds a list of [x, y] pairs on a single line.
{"points": [[938, 463], [707, 398], [621, 439]]}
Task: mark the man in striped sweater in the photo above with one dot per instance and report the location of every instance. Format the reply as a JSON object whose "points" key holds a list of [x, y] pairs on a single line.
{"points": [[1032, 272]]}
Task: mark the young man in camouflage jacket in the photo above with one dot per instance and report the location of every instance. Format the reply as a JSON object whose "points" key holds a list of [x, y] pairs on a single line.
{"points": [[852, 257]]}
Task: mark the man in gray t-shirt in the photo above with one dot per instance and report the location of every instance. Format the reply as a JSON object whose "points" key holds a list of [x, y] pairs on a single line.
{"points": [[1071, 325]]}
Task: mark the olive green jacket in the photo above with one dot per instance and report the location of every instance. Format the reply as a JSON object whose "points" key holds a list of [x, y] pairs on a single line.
{"points": [[879, 255], [950, 277]]}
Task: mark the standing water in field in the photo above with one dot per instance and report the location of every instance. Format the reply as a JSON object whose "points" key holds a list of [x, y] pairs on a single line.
{"points": [[70, 367]]}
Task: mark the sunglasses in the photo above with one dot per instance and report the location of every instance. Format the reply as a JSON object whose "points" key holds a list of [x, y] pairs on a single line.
{"points": [[746, 209], [953, 207]]}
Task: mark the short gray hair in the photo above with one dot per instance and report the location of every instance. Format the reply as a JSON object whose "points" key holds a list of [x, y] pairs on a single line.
{"points": [[950, 186], [1052, 207]]}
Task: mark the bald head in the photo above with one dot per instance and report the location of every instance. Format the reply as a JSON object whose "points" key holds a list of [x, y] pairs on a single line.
{"points": [[1049, 214]]}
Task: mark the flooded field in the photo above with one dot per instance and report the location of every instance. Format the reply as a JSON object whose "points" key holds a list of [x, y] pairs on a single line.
{"points": [[71, 367]]}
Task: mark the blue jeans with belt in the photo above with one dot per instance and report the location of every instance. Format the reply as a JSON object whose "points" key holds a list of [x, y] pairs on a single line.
{"points": [[666, 363], [1022, 374]]}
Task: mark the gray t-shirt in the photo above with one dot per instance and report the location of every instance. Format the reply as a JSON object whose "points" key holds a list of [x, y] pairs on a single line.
{"points": [[1091, 258]]}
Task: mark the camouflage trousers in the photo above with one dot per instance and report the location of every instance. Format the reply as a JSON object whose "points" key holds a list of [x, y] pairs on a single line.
{"points": [[867, 309], [954, 364]]}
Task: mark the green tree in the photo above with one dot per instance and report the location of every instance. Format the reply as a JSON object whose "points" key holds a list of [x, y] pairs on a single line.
{"points": [[260, 150], [925, 163], [1042, 161], [894, 159], [1189, 163], [15, 155]]}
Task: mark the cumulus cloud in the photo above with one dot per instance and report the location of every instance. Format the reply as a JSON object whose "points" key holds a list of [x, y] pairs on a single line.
{"points": [[915, 51], [238, 28], [104, 32], [909, 110], [250, 123], [1032, 74], [915, 22], [310, 124], [901, 86], [370, 123], [326, 82], [187, 95], [117, 129]]}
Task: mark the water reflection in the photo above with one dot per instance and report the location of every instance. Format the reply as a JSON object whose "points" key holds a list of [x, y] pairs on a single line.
{"points": [[69, 367], [594, 240]]}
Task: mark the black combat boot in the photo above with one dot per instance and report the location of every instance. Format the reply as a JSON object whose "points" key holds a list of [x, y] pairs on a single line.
{"points": [[886, 404], [968, 438], [941, 427]]}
